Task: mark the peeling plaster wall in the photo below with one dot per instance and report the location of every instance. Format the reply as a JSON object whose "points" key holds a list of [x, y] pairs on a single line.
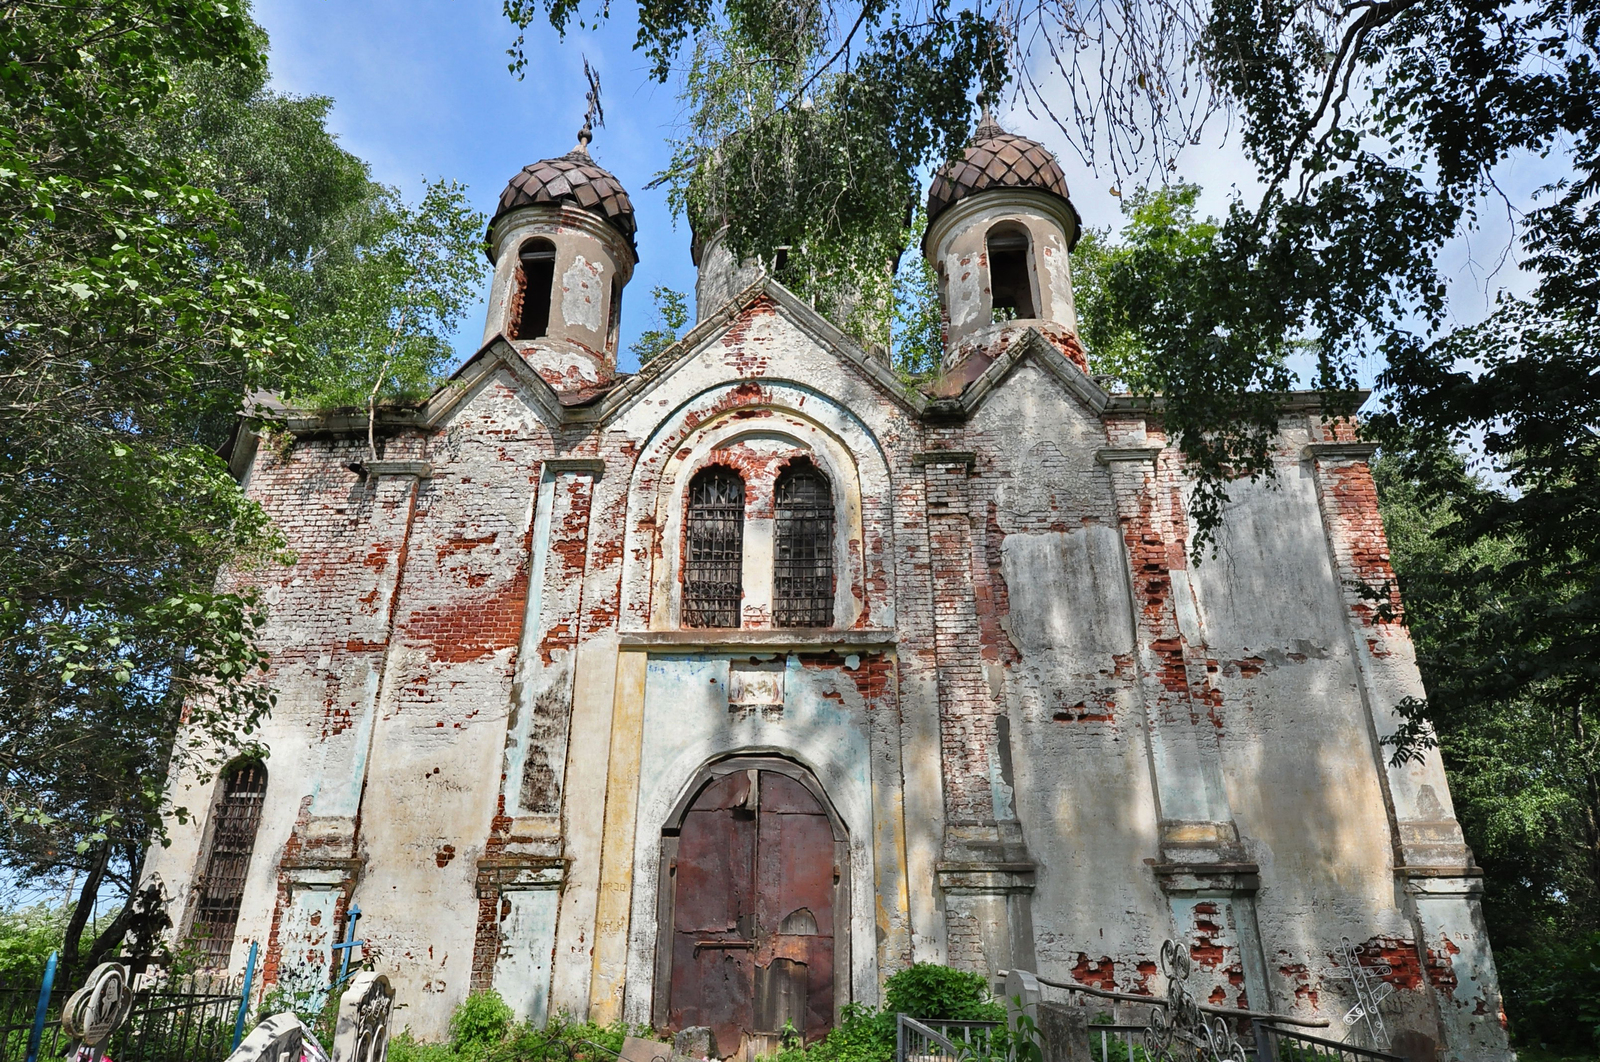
{"points": [[1062, 647], [1064, 743]]}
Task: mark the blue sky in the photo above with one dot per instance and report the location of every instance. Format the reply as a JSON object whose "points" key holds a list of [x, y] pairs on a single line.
{"points": [[421, 91]]}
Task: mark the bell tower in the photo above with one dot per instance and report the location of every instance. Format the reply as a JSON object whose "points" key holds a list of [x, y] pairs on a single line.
{"points": [[562, 243], [1000, 225]]}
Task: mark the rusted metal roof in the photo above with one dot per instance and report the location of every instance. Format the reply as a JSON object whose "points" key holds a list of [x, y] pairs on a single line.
{"points": [[572, 178], [995, 159]]}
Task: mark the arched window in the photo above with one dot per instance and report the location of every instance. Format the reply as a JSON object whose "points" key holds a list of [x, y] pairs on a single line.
{"points": [[221, 885], [713, 570], [1011, 272], [538, 261], [802, 584]]}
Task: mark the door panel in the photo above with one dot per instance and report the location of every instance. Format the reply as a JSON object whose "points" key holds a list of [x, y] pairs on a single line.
{"points": [[753, 912]]}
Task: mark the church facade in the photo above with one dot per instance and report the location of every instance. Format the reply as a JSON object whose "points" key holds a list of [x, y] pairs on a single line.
{"points": [[716, 693]]}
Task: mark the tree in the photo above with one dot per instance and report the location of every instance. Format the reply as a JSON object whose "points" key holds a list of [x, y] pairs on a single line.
{"points": [[172, 237], [672, 314], [123, 325]]}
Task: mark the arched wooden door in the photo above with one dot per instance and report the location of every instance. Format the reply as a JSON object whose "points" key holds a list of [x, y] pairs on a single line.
{"points": [[753, 885]]}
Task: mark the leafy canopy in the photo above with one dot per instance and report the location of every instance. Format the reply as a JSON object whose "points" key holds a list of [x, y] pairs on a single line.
{"points": [[173, 237]]}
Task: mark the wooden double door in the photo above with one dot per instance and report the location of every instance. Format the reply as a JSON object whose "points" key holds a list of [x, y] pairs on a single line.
{"points": [[754, 894]]}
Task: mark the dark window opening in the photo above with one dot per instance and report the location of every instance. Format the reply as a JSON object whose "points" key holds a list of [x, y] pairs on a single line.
{"points": [[802, 584], [538, 265], [713, 570], [221, 885], [1010, 278]]}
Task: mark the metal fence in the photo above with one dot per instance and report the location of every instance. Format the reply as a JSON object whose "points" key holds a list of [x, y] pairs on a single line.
{"points": [[929, 1038], [1284, 1045], [186, 1020], [1117, 1043]]}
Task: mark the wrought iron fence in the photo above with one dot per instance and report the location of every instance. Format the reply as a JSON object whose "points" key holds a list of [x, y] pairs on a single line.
{"points": [[1285, 1045], [1117, 1043], [929, 1038], [188, 1020]]}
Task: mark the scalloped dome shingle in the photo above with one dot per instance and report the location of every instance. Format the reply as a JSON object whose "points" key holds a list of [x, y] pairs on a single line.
{"points": [[571, 178], [995, 159]]}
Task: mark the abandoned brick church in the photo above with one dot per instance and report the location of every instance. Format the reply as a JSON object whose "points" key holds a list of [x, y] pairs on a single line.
{"points": [[715, 693]]}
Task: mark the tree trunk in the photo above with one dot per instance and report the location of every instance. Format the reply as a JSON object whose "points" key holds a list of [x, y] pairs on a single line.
{"points": [[84, 909]]}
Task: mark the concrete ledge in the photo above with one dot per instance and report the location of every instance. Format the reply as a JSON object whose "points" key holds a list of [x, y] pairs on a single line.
{"points": [[1128, 453], [420, 469], [770, 640], [593, 465], [1339, 451]]}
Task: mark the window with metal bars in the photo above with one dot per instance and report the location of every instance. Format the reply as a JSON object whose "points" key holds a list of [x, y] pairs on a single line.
{"points": [[221, 885], [802, 583], [713, 570]]}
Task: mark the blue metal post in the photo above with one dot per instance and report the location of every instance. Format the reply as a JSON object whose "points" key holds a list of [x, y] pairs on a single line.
{"points": [[349, 943], [244, 997], [40, 1010]]}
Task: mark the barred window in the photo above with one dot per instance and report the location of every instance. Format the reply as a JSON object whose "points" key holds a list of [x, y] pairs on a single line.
{"points": [[803, 576], [713, 571], [221, 885]]}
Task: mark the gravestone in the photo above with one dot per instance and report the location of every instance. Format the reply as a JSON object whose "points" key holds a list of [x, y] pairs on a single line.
{"points": [[362, 1033]]}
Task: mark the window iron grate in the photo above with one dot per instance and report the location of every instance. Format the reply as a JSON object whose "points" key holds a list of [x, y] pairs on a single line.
{"points": [[803, 565], [221, 888], [713, 571]]}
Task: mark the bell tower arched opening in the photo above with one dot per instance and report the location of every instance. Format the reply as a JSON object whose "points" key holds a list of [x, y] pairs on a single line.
{"points": [[536, 259], [1011, 275]]}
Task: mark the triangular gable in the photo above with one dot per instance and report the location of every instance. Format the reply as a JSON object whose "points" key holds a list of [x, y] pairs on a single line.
{"points": [[465, 381], [794, 310], [1033, 343], [497, 353]]}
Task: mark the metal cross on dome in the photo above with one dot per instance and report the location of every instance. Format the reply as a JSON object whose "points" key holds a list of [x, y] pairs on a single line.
{"points": [[595, 115]]}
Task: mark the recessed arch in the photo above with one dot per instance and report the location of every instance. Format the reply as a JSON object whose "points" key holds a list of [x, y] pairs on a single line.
{"points": [[788, 942]]}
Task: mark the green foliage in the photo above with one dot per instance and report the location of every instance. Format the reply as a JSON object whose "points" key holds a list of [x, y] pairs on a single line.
{"points": [[927, 990], [786, 152], [27, 937], [1161, 241], [672, 315], [1554, 991], [173, 236], [482, 1030], [128, 325], [316, 1007], [918, 335], [479, 1023], [384, 308]]}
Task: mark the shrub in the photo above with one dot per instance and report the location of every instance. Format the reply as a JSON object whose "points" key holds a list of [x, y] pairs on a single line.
{"points": [[930, 991], [479, 1023]]}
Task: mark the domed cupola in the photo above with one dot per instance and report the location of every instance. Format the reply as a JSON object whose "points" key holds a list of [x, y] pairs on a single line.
{"points": [[562, 241], [1000, 224]]}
